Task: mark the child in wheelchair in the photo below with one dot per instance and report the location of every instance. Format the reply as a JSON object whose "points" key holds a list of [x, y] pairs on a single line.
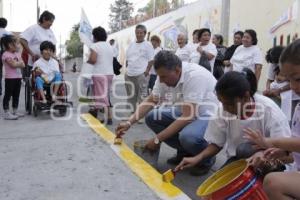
{"points": [[46, 72]]}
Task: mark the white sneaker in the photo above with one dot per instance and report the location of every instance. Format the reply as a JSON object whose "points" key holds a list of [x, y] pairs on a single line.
{"points": [[16, 113], [10, 116]]}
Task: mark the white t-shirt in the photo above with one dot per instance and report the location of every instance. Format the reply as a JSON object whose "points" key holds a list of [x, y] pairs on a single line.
{"points": [[152, 70], [271, 71], [35, 35], [210, 48], [49, 67], [196, 85], [246, 57], [228, 133], [104, 63], [138, 56], [183, 53]]}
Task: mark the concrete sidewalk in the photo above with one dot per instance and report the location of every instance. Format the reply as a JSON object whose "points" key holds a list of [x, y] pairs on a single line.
{"points": [[45, 159]]}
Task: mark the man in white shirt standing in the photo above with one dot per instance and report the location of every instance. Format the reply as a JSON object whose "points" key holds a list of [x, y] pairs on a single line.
{"points": [[139, 59], [181, 123], [3, 24]]}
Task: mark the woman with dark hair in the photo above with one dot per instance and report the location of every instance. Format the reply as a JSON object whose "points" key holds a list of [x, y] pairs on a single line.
{"points": [[101, 56], [272, 58], [205, 48], [237, 41], [33, 36], [248, 55], [218, 70], [242, 109]]}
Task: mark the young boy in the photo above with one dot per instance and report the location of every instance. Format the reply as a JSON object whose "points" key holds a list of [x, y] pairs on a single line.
{"points": [[47, 70]]}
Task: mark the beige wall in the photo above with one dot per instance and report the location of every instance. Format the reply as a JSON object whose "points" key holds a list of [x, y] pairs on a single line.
{"points": [[260, 15]]}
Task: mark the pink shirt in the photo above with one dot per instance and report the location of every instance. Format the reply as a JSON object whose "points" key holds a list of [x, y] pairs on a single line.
{"points": [[10, 71], [296, 133]]}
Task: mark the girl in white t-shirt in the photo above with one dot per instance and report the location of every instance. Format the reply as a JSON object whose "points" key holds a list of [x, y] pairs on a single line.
{"points": [[248, 55], [276, 86], [284, 185], [101, 57], [241, 109]]}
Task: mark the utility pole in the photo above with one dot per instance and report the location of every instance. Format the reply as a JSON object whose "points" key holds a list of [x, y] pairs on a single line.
{"points": [[37, 10], [154, 9], [225, 20]]}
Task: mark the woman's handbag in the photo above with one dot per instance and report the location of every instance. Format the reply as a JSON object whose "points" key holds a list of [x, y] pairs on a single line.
{"points": [[204, 62]]}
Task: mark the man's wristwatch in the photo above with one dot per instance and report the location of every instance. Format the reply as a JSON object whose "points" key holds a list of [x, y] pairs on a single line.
{"points": [[156, 140]]}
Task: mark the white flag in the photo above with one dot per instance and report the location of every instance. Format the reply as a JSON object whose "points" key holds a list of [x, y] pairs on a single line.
{"points": [[85, 30]]}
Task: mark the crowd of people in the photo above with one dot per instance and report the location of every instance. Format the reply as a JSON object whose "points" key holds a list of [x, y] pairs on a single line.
{"points": [[205, 99], [200, 99]]}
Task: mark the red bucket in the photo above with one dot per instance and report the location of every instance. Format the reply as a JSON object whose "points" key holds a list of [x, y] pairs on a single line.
{"points": [[236, 181]]}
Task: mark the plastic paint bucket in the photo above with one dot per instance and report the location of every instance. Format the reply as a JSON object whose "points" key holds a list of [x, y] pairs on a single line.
{"points": [[148, 156], [236, 181]]}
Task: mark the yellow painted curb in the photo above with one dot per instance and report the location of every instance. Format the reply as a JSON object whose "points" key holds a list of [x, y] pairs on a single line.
{"points": [[142, 169]]}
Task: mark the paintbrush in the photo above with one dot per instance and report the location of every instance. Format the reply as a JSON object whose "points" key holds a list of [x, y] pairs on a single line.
{"points": [[118, 140], [168, 176]]}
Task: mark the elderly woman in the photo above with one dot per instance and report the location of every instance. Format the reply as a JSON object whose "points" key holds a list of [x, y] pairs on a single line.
{"points": [[101, 57], [183, 51], [248, 55], [33, 36]]}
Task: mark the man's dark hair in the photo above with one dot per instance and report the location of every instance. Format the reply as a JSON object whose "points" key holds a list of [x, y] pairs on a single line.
{"points": [[141, 26], [166, 59], [239, 33], [46, 16], [3, 22]]}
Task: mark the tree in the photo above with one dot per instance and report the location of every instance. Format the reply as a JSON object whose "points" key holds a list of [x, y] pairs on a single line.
{"points": [[176, 4], [161, 6], [121, 10], [74, 46]]}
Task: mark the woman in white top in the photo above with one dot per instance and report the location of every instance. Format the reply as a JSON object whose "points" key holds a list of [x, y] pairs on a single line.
{"points": [[242, 109], [248, 55], [33, 36], [101, 56], [204, 47], [183, 51]]}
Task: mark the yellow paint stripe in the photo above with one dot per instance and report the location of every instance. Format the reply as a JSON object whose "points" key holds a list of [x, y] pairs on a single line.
{"points": [[146, 172]]}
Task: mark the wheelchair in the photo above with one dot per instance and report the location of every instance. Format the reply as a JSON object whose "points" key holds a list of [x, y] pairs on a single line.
{"points": [[34, 101]]}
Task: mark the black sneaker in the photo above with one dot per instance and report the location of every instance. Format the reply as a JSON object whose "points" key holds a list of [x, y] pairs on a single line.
{"points": [[201, 169], [93, 112]]}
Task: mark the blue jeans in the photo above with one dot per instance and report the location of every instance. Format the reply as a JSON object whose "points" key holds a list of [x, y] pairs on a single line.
{"points": [[152, 81], [39, 81], [190, 139]]}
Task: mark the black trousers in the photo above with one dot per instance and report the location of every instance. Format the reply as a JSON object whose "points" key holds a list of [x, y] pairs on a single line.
{"points": [[1, 70], [12, 89]]}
